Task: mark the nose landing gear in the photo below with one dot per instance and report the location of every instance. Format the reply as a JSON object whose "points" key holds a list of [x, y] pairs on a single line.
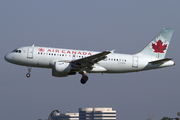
{"points": [[29, 70]]}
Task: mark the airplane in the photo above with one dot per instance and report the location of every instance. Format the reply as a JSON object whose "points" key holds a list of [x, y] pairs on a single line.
{"points": [[64, 62]]}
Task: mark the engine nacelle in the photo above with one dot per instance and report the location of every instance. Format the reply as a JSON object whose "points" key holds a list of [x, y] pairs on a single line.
{"points": [[61, 69]]}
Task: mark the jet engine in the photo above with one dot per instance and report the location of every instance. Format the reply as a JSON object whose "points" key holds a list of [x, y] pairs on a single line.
{"points": [[62, 69]]}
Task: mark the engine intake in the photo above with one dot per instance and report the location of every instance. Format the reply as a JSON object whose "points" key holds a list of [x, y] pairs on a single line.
{"points": [[61, 69]]}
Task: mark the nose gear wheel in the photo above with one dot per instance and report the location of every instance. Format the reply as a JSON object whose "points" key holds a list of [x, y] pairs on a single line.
{"points": [[29, 70]]}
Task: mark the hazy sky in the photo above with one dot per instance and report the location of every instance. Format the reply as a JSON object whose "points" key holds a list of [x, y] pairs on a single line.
{"points": [[127, 26]]}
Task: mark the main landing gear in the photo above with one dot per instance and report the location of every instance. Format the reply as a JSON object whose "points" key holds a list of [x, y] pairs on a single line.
{"points": [[84, 78], [29, 70]]}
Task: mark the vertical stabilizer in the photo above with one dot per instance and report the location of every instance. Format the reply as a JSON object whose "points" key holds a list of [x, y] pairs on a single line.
{"points": [[157, 48]]}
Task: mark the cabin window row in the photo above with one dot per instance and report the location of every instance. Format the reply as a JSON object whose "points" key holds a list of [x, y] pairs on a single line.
{"points": [[113, 59], [55, 54], [77, 56]]}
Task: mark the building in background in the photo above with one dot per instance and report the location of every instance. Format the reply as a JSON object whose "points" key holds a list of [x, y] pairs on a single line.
{"points": [[65, 116], [86, 114]]}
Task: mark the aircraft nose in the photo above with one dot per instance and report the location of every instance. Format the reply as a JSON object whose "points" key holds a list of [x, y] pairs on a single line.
{"points": [[7, 57]]}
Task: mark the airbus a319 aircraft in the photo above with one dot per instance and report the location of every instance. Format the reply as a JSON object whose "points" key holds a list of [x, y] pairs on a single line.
{"points": [[64, 62]]}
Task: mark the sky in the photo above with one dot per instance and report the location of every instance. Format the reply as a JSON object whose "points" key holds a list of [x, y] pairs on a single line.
{"points": [[127, 26]]}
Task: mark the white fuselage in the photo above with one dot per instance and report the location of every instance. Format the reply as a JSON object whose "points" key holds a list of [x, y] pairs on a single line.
{"points": [[114, 63]]}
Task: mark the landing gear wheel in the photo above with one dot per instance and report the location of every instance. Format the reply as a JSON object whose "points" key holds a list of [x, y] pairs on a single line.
{"points": [[28, 75], [84, 79], [29, 70]]}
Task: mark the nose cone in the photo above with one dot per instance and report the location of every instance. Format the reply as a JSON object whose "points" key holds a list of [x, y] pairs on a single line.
{"points": [[7, 57]]}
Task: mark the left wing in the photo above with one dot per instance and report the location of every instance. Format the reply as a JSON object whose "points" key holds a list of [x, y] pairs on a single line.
{"points": [[90, 60]]}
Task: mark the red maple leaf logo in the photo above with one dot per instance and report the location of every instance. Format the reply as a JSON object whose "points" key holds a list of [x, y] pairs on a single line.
{"points": [[41, 49], [159, 47]]}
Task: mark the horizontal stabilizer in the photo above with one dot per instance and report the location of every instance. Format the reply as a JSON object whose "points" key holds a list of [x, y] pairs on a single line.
{"points": [[161, 61]]}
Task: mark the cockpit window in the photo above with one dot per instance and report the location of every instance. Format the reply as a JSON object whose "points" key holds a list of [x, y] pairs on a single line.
{"points": [[16, 51]]}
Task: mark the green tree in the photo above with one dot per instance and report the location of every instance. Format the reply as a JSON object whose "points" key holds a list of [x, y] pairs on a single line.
{"points": [[166, 118]]}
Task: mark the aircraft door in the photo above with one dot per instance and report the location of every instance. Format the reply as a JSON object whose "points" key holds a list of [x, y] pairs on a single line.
{"points": [[30, 52], [135, 61]]}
